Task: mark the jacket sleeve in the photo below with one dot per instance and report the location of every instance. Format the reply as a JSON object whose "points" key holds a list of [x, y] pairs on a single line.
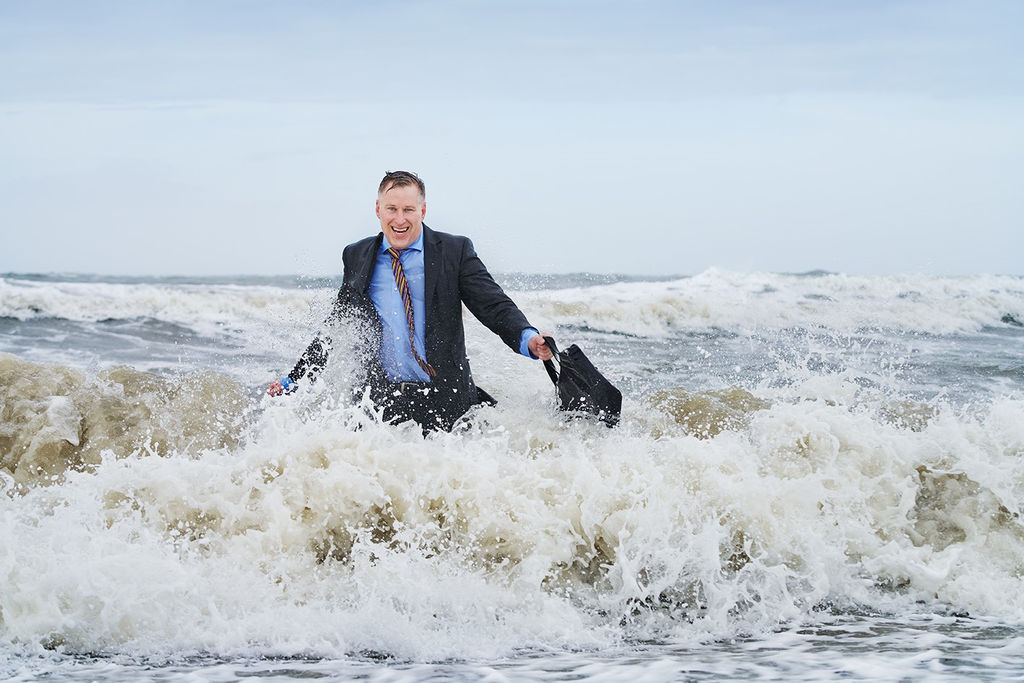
{"points": [[314, 358], [486, 300]]}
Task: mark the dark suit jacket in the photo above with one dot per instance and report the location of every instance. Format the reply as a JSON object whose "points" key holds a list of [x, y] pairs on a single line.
{"points": [[454, 275]]}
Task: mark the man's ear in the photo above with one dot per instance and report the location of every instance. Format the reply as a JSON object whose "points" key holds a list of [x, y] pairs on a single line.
{"points": [[376, 208], [423, 211]]}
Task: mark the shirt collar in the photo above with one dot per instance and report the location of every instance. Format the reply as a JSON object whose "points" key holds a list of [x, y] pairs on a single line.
{"points": [[415, 246]]}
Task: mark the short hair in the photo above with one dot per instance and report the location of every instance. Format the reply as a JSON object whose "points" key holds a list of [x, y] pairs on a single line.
{"points": [[401, 179]]}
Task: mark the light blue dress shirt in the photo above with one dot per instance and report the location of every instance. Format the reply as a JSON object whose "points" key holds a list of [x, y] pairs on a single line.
{"points": [[395, 352]]}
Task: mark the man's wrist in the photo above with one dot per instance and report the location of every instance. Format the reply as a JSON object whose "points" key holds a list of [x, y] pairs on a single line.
{"points": [[524, 341]]}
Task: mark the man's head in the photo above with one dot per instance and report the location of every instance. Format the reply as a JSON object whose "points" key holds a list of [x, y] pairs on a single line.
{"points": [[401, 206]]}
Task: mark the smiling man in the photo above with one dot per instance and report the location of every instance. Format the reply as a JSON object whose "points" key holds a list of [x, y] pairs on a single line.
{"points": [[406, 286]]}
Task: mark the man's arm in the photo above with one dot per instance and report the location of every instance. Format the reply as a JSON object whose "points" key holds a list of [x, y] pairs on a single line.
{"points": [[310, 363], [346, 309], [486, 300]]}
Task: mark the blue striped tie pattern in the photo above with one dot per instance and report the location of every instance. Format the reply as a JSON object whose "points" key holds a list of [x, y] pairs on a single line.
{"points": [[403, 290]]}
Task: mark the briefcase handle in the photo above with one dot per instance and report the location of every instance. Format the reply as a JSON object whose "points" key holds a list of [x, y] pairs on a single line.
{"points": [[549, 365]]}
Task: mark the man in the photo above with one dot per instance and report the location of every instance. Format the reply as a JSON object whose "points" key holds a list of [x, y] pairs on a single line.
{"points": [[405, 287]]}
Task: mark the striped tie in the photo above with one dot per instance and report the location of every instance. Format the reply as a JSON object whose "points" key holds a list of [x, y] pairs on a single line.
{"points": [[403, 290]]}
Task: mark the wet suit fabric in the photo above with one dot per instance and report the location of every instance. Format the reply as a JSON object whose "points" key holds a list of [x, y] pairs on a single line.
{"points": [[453, 275]]}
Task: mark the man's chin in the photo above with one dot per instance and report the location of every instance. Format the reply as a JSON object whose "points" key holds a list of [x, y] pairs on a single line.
{"points": [[400, 240]]}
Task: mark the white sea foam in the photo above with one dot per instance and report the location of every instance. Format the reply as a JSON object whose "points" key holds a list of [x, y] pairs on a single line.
{"points": [[712, 300], [159, 516], [742, 302], [205, 308], [319, 531]]}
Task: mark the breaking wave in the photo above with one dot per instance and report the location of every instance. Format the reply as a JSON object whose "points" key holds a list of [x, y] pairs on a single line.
{"points": [[148, 514]]}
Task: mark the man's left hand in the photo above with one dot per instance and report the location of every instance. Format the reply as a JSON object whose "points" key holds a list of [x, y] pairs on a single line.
{"points": [[538, 347]]}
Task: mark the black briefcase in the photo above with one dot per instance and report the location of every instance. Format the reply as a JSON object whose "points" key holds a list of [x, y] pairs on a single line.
{"points": [[581, 388]]}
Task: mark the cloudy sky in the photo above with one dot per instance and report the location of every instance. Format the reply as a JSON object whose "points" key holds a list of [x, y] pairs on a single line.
{"points": [[646, 137]]}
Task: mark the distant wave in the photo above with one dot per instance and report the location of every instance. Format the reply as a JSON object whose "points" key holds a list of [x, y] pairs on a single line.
{"points": [[742, 302], [714, 299]]}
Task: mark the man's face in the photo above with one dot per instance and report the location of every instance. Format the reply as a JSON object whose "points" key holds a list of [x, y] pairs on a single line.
{"points": [[401, 211]]}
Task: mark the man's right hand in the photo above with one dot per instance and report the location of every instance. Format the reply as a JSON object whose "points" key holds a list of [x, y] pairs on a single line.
{"points": [[282, 386]]}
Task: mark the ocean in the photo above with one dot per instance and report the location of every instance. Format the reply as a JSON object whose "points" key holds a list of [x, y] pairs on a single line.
{"points": [[816, 476]]}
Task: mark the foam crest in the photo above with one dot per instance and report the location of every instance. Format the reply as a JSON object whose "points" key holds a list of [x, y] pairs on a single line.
{"points": [[314, 529], [741, 302], [207, 308], [714, 299]]}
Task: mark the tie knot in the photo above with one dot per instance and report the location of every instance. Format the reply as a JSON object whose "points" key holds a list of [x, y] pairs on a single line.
{"points": [[394, 254]]}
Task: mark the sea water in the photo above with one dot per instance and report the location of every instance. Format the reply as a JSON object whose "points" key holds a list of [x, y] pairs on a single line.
{"points": [[816, 476]]}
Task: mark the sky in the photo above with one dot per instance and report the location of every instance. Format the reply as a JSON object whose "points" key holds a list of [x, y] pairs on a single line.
{"points": [[223, 137]]}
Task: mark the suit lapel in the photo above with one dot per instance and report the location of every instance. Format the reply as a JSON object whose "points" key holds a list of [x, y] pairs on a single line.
{"points": [[432, 258], [432, 255], [367, 261]]}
